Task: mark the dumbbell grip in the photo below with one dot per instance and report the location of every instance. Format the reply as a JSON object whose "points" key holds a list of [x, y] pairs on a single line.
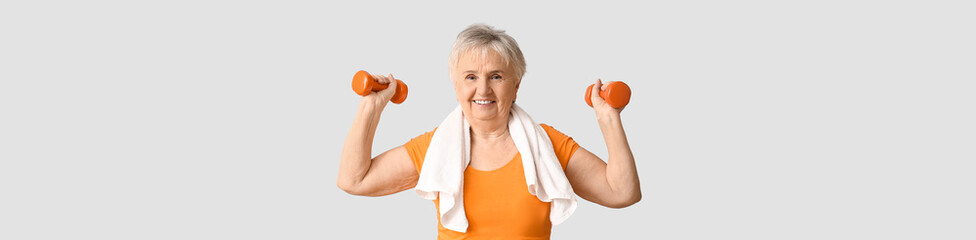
{"points": [[617, 94], [363, 83]]}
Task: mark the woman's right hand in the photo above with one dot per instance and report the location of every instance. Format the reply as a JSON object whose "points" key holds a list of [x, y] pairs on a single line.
{"points": [[381, 98]]}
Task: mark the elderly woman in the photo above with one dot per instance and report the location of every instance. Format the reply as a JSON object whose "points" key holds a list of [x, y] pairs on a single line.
{"points": [[491, 171]]}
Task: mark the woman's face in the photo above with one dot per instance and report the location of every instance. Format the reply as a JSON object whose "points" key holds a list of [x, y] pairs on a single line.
{"points": [[485, 86]]}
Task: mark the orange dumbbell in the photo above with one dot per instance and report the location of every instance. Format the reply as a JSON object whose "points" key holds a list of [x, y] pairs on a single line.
{"points": [[363, 84], [617, 94]]}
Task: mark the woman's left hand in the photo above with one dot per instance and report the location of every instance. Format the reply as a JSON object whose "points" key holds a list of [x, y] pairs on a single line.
{"points": [[602, 108]]}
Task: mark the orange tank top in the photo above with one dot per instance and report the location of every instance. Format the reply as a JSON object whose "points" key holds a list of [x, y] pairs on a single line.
{"points": [[497, 202]]}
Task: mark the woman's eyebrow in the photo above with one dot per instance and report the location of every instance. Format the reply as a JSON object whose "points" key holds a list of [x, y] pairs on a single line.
{"points": [[492, 71]]}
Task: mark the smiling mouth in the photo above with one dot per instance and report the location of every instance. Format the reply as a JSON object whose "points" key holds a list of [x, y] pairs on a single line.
{"points": [[483, 102]]}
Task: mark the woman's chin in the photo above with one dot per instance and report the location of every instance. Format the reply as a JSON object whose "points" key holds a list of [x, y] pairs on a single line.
{"points": [[483, 116], [488, 115]]}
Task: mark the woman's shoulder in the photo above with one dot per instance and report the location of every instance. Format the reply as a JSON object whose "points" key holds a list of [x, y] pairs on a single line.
{"points": [[563, 145], [552, 132], [421, 141], [417, 148]]}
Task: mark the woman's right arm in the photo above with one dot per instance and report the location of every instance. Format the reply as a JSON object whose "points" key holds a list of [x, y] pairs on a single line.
{"points": [[359, 173]]}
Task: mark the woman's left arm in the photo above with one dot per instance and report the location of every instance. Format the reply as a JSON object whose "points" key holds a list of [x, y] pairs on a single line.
{"points": [[614, 183]]}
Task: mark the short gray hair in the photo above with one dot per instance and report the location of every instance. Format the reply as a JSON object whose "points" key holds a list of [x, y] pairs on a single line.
{"points": [[484, 37]]}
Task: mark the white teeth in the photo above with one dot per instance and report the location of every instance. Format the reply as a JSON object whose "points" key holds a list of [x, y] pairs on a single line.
{"points": [[483, 102]]}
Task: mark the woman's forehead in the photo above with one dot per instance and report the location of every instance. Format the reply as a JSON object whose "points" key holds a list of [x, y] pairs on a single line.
{"points": [[480, 58]]}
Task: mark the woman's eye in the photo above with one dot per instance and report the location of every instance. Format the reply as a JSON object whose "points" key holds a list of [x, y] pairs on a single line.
{"points": [[496, 77], [469, 78]]}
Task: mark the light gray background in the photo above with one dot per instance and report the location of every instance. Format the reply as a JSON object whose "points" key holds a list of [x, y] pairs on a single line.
{"points": [[225, 119]]}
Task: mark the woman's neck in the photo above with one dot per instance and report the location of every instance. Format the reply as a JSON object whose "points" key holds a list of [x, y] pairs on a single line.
{"points": [[489, 132]]}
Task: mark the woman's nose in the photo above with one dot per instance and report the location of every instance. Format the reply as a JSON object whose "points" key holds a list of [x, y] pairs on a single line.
{"points": [[483, 88]]}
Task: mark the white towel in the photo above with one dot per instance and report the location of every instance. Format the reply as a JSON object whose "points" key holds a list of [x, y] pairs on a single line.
{"points": [[449, 154]]}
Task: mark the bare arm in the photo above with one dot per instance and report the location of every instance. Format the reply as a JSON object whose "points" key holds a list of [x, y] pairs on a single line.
{"points": [[614, 184], [359, 173]]}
